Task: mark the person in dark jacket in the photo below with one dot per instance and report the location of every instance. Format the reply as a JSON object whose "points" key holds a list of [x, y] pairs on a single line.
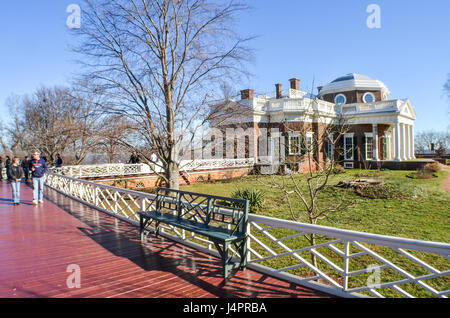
{"points": [[38, 168], [15, 174], [7, 163], [26, 168], [58, 161], [1, 169]]}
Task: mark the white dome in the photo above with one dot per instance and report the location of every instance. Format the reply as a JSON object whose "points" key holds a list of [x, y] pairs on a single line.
{"points": [[351, 82]]}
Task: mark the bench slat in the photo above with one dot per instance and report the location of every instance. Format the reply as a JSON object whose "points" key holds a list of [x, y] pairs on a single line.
{"points": [[206, 230]]}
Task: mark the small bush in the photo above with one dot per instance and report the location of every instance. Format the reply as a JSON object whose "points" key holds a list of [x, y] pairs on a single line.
{"points": [[390, 191], [432, 167], [424, 174], [338, 169], [254, 196]]}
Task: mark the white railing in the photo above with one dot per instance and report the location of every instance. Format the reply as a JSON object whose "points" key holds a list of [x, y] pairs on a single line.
{"points": [[120, 169], [303, 104], [102, 170], [210, 164], [372, 107], [349, 263]]}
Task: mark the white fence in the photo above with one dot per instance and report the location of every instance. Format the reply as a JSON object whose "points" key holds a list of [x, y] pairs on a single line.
{"points": [[121, 169], [102, 170], [349, 263]]}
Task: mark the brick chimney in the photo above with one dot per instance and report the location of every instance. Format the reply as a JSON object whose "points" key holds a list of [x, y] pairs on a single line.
{"points": [[278, 90], [247, 94], [295, 83]]}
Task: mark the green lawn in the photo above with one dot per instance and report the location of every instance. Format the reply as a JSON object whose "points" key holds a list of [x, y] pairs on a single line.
{"points": [[425, 217]]}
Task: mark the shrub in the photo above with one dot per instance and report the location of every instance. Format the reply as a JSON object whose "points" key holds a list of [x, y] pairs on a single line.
{"points": [[390, 191], [254, 196], [423, 174], [338, 169], [432, 167]]}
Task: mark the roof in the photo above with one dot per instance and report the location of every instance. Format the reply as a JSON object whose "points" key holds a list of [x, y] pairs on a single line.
{"points": [[353, 81]]}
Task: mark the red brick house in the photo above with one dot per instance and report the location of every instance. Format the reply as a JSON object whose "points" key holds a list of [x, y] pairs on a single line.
{"points": [[380, 129]]}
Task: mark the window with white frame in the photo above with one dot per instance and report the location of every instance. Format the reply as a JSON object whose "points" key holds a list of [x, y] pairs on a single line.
{"points": [[369, 146], [368, 98], [348, 147], [294, 143], [309, 142], [329, 147], [340, 99]]}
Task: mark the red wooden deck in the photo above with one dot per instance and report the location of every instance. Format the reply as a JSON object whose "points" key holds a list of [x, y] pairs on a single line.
{"points": [[38, 243]]}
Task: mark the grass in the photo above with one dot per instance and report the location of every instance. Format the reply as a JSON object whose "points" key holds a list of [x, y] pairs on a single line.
{"points": [[424, 217]]}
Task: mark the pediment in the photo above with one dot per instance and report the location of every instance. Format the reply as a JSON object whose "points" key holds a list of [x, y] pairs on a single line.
{"points": [[407, 110]]}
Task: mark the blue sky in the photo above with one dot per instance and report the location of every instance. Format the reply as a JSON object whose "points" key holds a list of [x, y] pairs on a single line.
{"points": [[320, 40]]}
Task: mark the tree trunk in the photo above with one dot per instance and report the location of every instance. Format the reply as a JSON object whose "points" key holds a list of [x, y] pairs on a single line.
{"points": [[172, 175], [312, 242]]}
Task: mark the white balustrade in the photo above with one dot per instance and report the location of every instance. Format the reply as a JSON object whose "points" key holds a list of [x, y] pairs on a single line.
{"points": [[120, 169]]}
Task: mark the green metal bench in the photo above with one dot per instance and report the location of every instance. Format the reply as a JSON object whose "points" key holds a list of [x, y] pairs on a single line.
{"points": [[222, 220]]}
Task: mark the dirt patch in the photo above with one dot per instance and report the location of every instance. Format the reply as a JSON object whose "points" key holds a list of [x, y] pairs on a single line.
{"points": [[446, 182], [359, 183]]}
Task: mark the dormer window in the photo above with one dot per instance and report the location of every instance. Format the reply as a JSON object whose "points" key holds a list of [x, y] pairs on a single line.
{"points": [[340, 99], [368, 98]]}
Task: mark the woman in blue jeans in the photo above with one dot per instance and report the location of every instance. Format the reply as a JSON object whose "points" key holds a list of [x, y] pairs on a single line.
{"points": [[15, 174]]}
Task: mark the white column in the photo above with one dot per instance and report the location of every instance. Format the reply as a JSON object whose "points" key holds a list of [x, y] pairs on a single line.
{"points": [[403, 142], [375, 141], [407, 143], [413, 150], [397, 142], [392, 157]]}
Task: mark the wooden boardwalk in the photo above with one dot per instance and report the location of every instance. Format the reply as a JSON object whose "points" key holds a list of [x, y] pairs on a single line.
{"points": [[38, 243]]}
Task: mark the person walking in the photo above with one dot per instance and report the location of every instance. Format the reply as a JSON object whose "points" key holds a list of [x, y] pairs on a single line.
{"points": [[15, 174], [58, 161], [7, 163], [26, 168], [1, 169], [38, 168]]}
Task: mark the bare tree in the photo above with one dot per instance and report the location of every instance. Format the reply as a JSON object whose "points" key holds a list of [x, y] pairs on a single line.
{"points": [[49, 119], [52, 119], [425, 139], [87, 120], [113, 131], [160, 63], [12, 134]]}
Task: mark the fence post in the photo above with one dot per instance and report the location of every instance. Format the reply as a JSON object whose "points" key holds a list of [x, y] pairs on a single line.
{"points": [[95, 196], [248, 242], [142, 204], [346, 264]]}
